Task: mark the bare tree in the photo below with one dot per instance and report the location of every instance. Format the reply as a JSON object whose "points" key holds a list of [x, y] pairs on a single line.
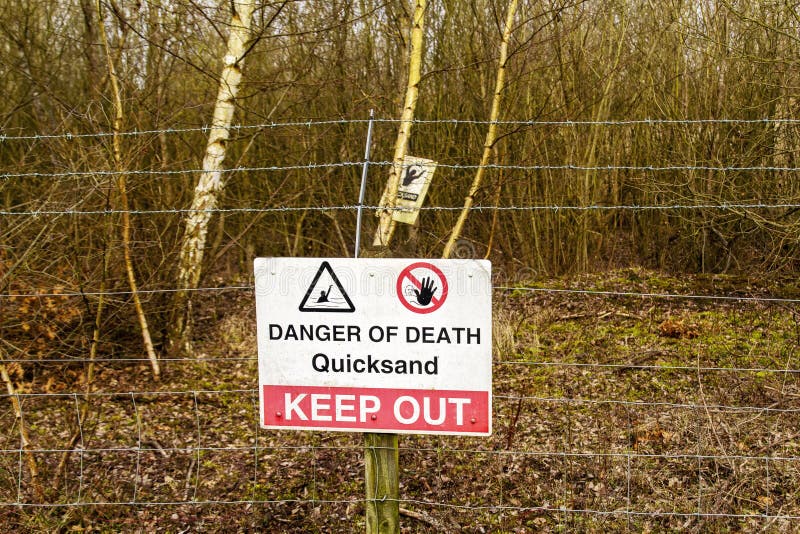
{"points": [[122, 189], [386, 226], [211, 182], [491, 134]]}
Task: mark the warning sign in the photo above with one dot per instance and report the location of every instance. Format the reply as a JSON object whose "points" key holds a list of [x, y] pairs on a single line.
{"points": [[422, 287], [326, 294], [415, 179], [412, 353]]}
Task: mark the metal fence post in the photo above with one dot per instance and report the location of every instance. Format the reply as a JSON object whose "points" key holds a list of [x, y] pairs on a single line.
{"points": [[381, 452]]}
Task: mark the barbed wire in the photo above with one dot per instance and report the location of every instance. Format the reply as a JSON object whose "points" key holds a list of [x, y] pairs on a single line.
{"points": [[503, 288], [353, 207], [456, 166], [180, 172], [578, 122], [308, 123], [191, 129]]}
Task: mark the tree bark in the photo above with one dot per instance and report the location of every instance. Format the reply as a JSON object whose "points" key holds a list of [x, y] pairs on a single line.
{"points": [[210, 183], [491, 135], [386, 226], [122, 188]]}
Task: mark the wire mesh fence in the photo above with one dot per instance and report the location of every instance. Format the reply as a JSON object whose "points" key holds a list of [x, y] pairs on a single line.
{"points": [[625, 400]]}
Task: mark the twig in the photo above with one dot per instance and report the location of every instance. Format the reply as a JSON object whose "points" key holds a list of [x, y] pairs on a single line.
{"points": [[123, 197], [188, 484], [89, 376], [25, 439], [491, 134], [598, 315], [156, 446], [424, 518], [513, 426]]}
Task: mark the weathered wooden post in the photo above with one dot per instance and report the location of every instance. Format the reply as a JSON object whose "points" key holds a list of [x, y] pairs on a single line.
{"points": [[381, 453], [382, 482]]}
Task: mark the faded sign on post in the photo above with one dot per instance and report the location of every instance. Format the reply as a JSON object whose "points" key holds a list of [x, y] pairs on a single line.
{"points": [[415, 179]]}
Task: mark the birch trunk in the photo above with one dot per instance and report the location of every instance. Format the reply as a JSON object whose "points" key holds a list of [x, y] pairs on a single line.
{"points": [[386, 226], [210, 183], [122, 188], [491, 135]]}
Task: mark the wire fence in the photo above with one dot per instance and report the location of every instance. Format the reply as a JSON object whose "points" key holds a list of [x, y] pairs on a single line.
{"points": [[477, 208], [346, 121], [345, 164], [650, 405]]}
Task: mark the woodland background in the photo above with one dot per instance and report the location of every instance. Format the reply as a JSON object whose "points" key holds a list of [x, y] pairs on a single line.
{"points": [[568, 61]]}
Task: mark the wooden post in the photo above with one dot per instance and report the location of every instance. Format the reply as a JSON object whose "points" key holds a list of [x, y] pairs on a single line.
{"points": [[382, 483], [381, 470], [381, 452], [382, 474]]}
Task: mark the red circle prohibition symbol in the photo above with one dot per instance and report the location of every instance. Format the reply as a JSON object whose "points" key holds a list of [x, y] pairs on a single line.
{"points": [[439, 287]]}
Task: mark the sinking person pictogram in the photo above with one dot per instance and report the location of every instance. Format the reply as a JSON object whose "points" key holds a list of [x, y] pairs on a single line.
{"points": [[326, 293]]}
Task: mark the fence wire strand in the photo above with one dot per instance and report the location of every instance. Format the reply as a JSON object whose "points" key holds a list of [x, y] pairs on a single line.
{"points": [[555, 208], [454, 166], [404, 449], [665, 368], [423, 503], [309, 123], [171, 395], [496, 288]]}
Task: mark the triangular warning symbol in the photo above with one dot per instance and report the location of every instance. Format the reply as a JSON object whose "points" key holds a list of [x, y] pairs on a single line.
{"points": [[326, 294]]}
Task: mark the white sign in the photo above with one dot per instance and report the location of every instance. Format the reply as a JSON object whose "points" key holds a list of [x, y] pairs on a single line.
{"points": [[375, 345]]}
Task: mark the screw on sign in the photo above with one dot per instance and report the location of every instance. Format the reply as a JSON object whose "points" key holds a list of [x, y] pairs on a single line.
{"points": [[422, 287]]}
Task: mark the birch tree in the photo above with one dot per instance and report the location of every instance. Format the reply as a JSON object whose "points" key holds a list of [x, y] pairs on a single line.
{"points": [[386, 226], [491, 134], [211, 182]]}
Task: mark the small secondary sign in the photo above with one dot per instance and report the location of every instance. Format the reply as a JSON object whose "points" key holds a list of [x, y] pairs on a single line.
{"points": [[415, 179], [414, 182], [375, 345]]}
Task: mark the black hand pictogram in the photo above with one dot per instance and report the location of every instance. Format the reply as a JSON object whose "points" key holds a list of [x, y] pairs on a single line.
{"points": [[425, 294], [412, 174]]}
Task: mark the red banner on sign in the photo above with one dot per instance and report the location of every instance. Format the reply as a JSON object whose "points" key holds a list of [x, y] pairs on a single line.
{"points": [[376, 410]]}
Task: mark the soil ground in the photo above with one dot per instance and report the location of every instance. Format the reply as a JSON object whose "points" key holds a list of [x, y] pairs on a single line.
{"points": [[612, 412]]}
